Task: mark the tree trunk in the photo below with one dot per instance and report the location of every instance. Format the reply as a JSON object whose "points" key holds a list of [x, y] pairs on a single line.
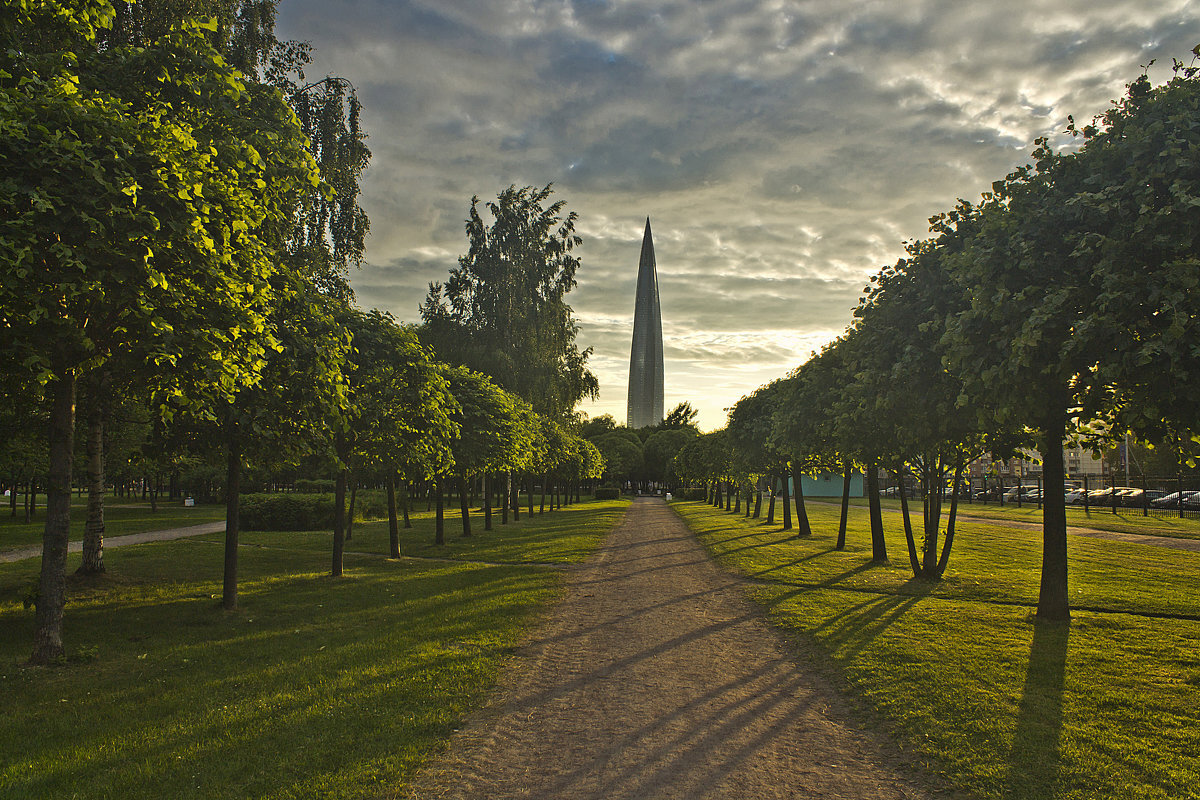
{"points": [[487, 501], [941, 565], [339, 521], [393, 523], [233, 494], [802, 523], [1053, 601], [758, 498], [507, 492], [913, 560], [542, 506], [846, 475], [93, 529], [771, 504], [531, 494], [52, 585], [515, 487], [464, 505], [786, 497], [878, 543], [439, 525]]}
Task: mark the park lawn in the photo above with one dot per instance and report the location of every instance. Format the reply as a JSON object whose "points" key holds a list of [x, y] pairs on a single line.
{"points": [[315, 687], [565, 536], [121, 516], [1101, 708], [1126, 520]]}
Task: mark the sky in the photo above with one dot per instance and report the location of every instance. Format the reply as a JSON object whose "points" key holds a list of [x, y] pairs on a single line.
{"points": [[783, 151]]}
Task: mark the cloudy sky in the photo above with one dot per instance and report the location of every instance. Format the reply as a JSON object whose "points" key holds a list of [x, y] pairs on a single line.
{"points": [[783, 151]]}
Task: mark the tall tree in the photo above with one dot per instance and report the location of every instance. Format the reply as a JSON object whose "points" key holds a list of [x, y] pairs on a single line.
{"points": [[503, 310], [144, 195]]}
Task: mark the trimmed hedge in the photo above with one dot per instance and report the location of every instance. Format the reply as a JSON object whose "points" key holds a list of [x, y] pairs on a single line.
{"points": [[299, 511], [693, 493], [608, 493], [292, 511]]}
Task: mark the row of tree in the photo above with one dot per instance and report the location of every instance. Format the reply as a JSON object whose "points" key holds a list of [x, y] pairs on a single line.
{"points": [[178, 212], [1062, 304]]}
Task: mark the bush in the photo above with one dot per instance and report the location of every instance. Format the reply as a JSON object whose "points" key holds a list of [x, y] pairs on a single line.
{"points": [[608, 493], [286, 512], [310, 486], [693, 493], [304, 511]]}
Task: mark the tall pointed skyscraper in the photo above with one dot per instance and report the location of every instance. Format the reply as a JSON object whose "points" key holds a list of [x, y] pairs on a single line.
{"points": [[646, 357]]}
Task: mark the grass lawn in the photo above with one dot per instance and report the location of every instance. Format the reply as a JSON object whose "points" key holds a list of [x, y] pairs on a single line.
{"points": [[1102, 708], [315, 687], [1126, 520], [121, 516]]}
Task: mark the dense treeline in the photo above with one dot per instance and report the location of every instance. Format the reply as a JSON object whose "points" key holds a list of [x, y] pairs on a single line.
{"points": [[1061, 306], [178, 214]]}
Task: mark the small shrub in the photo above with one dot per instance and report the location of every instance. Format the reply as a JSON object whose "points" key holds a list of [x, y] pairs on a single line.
{"points": [[693, 493], [608, 493]]}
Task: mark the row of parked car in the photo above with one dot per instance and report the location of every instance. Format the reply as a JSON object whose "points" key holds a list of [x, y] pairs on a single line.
{"points": [[1073, 495]]}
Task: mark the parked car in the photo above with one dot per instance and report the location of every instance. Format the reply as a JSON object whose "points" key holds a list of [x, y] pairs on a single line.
{"points": [[1074, 497], [1172, 500]]}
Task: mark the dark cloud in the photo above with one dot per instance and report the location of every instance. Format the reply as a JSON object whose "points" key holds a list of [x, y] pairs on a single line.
{"points": [[783, 151]]}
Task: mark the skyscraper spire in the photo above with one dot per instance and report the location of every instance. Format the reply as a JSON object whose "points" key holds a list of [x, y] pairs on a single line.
{"points": [[646, 356]]}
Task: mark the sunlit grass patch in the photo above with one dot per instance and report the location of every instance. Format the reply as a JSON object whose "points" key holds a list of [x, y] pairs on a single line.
{"points": [[315, 687], [1003, 706]]}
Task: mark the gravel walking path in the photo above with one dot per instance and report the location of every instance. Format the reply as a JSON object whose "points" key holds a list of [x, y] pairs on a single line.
{"points": [[657, 678], [35, 551]]}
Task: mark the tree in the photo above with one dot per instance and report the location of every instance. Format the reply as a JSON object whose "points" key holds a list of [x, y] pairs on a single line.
{"points": [[493, 434], [503, 310], [398, 406], [682, 416], [659, 451], [144, 195]]}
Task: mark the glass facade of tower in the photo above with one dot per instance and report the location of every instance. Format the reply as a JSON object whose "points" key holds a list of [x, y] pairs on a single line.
{"points": [[646, 356]]}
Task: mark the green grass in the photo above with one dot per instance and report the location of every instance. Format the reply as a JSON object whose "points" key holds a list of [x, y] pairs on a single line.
{"points": [[315, 687], [1003, 707], [121, 516], [1126, 520]]}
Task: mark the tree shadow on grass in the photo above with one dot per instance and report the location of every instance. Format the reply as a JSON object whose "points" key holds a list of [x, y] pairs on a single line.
{"points": [[1035, 763]]}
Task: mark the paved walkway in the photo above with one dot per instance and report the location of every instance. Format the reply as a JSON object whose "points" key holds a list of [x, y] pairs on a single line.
{"points": [[657, 678], [35, 551]]}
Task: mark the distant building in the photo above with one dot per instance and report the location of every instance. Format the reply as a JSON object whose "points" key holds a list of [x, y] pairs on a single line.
{"points": [[646, 357]]}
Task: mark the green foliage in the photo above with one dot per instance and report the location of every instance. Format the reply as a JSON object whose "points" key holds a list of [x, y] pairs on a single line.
{"points": [[692, 493], [313, 486], [503, 310], [607, 493], [290, 511]]}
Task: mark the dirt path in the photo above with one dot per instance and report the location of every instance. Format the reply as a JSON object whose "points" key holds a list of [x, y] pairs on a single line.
{"points": [[656, 678], [34, 551]]}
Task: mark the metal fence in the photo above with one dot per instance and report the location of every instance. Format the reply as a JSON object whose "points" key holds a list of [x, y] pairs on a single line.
{"points": [[1148, 496]]}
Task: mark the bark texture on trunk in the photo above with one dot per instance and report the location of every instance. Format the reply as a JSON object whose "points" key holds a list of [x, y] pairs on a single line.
{"points": [[846, 475], [1053, 600], [52, 584], [339, 522], [393, 522], [878, 543], [802, 523]]}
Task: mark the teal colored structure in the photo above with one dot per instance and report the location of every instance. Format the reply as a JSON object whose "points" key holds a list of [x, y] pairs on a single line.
{"points": [[829, 484]]}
